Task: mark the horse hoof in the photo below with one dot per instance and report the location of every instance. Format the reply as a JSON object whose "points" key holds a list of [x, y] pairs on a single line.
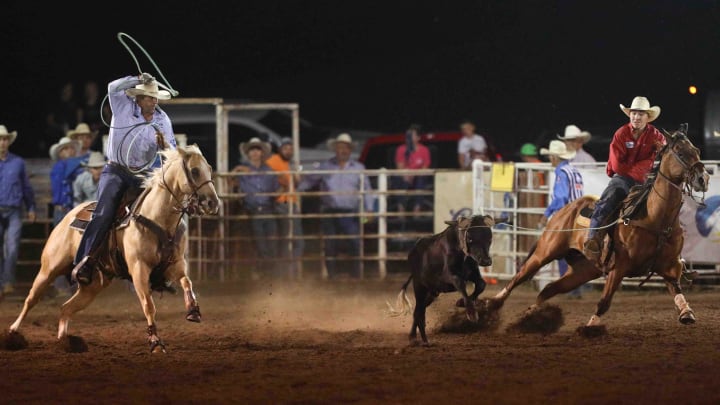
{"points": [[687, 318], [194, 315], [157, 346]]}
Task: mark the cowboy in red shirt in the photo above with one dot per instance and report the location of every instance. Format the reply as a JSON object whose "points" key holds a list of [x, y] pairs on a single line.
{"points": [[632, 153]]}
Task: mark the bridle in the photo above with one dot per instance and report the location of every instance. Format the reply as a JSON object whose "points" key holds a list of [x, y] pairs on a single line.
{"points": [[690, 171], [190, 203]]}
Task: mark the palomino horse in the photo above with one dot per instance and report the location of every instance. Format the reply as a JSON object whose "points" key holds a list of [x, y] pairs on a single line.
{"points": [[648, 242], [150, 246]]}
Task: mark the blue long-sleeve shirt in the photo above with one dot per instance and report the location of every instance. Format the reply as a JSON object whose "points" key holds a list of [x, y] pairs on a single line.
{"points": [[262, 181], [345, 184], [15, 187], [131, 141], [62, 175], [568, 187]]}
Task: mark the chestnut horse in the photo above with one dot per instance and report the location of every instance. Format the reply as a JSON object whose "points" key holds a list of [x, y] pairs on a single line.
{"points": [[650, 241], [151, 245]]}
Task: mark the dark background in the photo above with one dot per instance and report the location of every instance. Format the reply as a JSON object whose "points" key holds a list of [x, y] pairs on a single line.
{"points": [[520, 69]]}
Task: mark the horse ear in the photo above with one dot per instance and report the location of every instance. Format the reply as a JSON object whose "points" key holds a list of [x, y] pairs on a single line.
{"points": [[683, 128]]}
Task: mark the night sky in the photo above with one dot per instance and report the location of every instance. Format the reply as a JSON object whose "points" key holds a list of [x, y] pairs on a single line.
{"points": [[518, 68]]}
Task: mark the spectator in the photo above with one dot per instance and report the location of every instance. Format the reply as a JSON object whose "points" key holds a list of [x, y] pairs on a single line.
{"points": [[15, 190], [574, 138], [632, 153], [343, 204], [528, 153], [84, 136], [471, 146], [568, 187], [137, 131], [257, 187], [62, 175], [85, 185], [411, 155], [287, 206], [61, 113]]}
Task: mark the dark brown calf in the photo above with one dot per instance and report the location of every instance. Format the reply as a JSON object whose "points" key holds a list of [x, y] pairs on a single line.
{"points": [[443, 263]]}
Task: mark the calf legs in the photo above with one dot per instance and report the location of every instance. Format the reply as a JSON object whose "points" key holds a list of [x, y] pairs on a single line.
{"points": [[423, 298]]}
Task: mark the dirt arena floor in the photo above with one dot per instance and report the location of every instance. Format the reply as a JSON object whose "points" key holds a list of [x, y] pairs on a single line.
{"points": [[319, 342]]}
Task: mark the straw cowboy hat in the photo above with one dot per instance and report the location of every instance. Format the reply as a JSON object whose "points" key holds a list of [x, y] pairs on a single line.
{"points": [[642, 104], [63, 142], [4, 132], [96, 159], [343, 138], [559, 149], [151, 90], [81, 129], [255, 143], [573, 132]]}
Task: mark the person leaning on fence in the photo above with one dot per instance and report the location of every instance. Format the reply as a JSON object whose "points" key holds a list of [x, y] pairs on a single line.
{"points": [[411, 155], [568, 187], [15, 190], [343, 204], [287, 202], [85, 185], [138, 130], [258, 185], [632, 153]]}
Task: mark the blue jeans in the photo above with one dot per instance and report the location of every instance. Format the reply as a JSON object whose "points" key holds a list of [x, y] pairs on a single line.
{"points": [[10, 232], [611, 198], [292, 249], [265, 235], [114, 182], [349, 225]]}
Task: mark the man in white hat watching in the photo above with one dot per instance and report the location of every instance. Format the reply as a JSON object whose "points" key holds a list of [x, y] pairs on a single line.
{"points": [[15, 190], [574, 138], [138, 130], [568, 186], [85, 185], [632, 153], [343, 203]]}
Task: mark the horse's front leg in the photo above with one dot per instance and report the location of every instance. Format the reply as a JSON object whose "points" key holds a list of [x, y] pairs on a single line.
{"points": [[142, 288], [191, 305], [612, 283], [687, 316]]}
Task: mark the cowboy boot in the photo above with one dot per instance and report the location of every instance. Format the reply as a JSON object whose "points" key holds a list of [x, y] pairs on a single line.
{"points": [[83, 271], [593, 246]]}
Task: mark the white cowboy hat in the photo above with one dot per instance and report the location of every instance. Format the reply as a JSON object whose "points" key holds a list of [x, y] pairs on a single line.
{"points": [[255, 143], [642, 104], [559, 149], [151, 90], [96, 159], [64, 141], [81, 129], [573, 132], [4, 132], [344, 138]]}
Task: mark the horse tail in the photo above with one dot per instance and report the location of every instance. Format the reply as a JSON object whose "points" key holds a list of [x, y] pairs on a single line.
{"points": [[403, 306]]}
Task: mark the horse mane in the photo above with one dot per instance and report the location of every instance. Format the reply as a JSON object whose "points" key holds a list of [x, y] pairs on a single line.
{"points": [[169, 156]]}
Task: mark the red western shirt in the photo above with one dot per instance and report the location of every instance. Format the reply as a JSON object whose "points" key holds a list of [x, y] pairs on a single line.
{"points": [[632, 157]]}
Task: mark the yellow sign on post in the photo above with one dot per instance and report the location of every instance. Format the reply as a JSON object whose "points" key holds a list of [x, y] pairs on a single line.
{"points": [[502, 177]]}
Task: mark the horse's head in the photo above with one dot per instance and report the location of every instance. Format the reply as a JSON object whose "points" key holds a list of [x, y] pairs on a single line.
{"points": [[686, 166], [191, 175]]}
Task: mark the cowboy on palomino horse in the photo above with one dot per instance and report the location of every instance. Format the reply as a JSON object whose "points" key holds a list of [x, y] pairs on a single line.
{"points": [[138, 129], [632, 153]]}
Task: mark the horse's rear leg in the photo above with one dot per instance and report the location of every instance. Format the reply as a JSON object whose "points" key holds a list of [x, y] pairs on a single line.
{"points": [[82, 298], [528, 270], [36, 293], [191, 305], [581, 272]]}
